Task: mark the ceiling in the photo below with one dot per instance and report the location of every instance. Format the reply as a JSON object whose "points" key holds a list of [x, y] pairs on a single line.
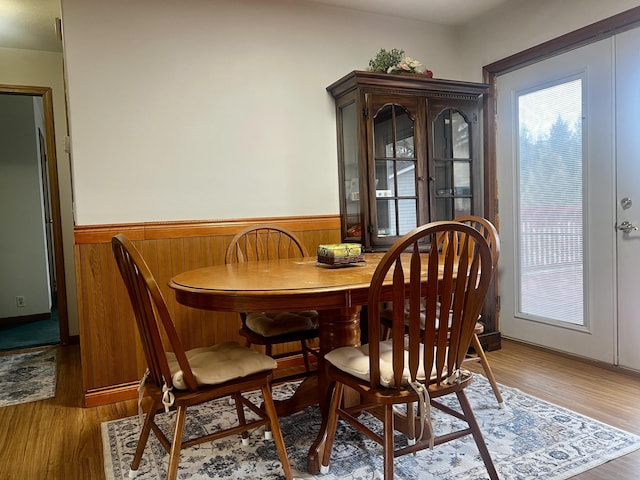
{"points": [[30, 24], [446, 12]]}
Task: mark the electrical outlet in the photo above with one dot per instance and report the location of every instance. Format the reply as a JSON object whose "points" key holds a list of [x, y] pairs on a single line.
{"points": [[20, 301]]}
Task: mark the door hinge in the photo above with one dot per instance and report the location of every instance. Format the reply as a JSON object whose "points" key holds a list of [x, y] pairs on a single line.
{"points": [[365, 112], [498, 303], [370, 229]]}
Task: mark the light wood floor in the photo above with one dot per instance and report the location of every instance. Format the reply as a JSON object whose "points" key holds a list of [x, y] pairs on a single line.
{"points": [[59, 439]]}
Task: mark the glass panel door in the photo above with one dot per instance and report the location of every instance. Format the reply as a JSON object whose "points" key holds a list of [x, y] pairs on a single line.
{"points": [[452, 164], [556, 186], [396, 169], [352, 229]]}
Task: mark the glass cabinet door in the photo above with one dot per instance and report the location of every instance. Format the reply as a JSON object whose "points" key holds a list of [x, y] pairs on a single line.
{"points": [[396, 170], [350, 172], [452, 163]]}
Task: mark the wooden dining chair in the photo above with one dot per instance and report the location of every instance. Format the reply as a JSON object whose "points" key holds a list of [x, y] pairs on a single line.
{"points": [[177, 379], [265, 242], [423, 362], [489, 232]]}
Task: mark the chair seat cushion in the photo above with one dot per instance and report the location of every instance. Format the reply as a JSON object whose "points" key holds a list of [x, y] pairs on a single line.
{"points": [[219, 363], [355, 361], [271, 324]]}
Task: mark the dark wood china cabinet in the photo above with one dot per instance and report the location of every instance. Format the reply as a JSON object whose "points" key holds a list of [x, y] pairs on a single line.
{"points": [[409, 152]]}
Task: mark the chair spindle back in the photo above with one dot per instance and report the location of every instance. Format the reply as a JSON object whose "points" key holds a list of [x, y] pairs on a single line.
{"points": [[264, 242], [151, 314], [445, 266]]}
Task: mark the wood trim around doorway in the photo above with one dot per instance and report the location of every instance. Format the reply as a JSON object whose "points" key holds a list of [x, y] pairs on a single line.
{"points": [[54, 192], [608, 27], [597, 31]]}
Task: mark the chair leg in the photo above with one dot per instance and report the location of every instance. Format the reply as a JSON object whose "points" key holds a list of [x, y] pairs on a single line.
{"points": [[305, 355], [411, 424], [241, 418], [176, 443], [477, 435], [277, 433], [332, 424], [475, 343], [144, 437], [387, 447], [386, 333]]}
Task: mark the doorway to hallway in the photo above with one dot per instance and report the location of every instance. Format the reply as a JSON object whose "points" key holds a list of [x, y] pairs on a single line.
{"points": [[53, 303]]}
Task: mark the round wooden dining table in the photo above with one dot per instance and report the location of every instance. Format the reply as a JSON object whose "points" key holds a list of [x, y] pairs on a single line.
{"points": [[337, 293]]}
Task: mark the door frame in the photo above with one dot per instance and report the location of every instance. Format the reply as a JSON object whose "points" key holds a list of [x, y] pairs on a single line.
{"points": [[578, 38], [54, 198]]}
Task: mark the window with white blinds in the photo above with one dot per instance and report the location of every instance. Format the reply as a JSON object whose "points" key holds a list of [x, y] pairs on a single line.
{"points": [[550, 235]]}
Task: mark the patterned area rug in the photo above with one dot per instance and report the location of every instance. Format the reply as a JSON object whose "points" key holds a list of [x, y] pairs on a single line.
{"points": [[529, 439], [27, 377]]}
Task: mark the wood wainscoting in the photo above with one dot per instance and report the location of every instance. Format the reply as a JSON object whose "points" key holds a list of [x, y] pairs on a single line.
{"points": [[111, 354]]}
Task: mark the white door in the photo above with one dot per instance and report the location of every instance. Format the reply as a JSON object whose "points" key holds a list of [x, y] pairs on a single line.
{"points": [[556, 187], [628, 196]]}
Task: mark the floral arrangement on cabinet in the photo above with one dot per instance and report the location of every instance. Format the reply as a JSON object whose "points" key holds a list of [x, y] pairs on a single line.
{"points": [[395, 61]]}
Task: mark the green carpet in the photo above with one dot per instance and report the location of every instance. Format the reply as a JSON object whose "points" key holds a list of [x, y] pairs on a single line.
{"points": [[31, 334]]}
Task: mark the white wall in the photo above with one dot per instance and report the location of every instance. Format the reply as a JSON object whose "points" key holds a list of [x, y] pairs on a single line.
{"points": [[217, 109], [23, 256], [520, 25]]}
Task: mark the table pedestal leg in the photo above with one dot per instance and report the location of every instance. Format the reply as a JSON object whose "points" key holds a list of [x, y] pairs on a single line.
{"points": [[305, 396], [338, 328]]}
